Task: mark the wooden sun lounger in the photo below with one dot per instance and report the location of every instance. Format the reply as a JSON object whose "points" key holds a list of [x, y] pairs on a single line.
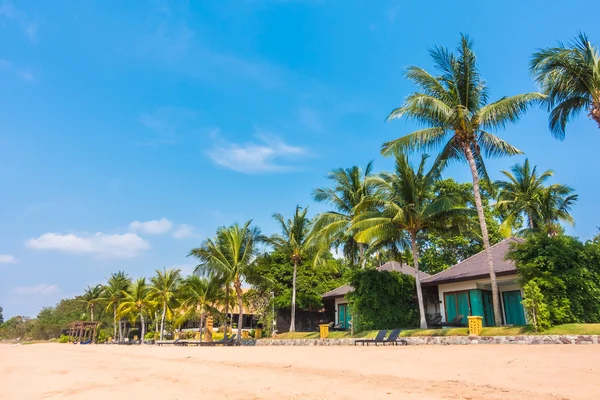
{"points": [[226, 341], [173, 342]]}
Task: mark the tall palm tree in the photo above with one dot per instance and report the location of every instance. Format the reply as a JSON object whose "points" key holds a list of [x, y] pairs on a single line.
{"points": [[229, 257], [295, 241], [408, 204], [555, 204], [199, 296], [525, 193], [91, 298], [570, 77], [454, 108], [165, 285], [136, 302], [113, 294], [350, 187]]}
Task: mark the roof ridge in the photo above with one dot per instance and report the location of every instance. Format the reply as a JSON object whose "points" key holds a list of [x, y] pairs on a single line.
{"points": [[468, 258]]}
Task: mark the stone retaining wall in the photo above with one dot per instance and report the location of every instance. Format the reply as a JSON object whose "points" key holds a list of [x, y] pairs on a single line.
{"points": [[445, 340]]}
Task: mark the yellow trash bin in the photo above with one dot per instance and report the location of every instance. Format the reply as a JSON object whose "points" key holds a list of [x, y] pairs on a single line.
{"points": [[324, 331], [257, 333], [475, 325]]}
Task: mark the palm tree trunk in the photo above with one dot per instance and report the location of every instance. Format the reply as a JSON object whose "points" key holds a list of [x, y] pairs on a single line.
{"points": [[484, 235], [120, 330], [114, 321], [530, 217], [143, 331], [415, 254], [162, 320], [361, 255], [293, 320], [92, 312], [201, 321], [238, 291], [227, 306]]}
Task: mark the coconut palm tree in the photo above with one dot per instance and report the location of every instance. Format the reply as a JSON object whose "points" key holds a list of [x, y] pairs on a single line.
{"points": [[570, 77], [296, 242], [199, 295], [408, 204], [112, 296], [555, 206], [229, 257], [453, 106], [136, 302], [165, 285], [350, 187], [92, 297], [525, 193]]}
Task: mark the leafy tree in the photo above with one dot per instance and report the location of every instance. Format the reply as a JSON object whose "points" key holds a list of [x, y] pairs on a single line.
{"points": [[406, 204], [18, 327], [294, 241], [1, 317], [229, 257], [567, 273], [91, 298], [382, 300], [569, 76], [350, 187], [200, 295], [454, 108], [113, 294], [137, 302], [164, 290], [524, 193], [535, 307]]}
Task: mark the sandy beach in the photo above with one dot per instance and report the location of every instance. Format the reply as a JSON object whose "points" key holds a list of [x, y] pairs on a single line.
{"points": [[62, 371]]}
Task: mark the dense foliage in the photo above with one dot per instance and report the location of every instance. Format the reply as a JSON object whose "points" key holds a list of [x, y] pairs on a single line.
{"points": [[567, 273], [383, 300]]}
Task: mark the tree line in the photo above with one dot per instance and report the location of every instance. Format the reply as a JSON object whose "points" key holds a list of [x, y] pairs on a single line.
{"points": [[411, 214]]}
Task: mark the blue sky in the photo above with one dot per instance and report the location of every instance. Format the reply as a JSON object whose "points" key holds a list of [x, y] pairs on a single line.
{"points": [[129, 131]]}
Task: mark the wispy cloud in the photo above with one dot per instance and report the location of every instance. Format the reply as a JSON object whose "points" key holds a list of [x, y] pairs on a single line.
{"points": [[23, 74], [126, 245], [184, 231], [41, 289], [153, 227], [168, 124], [186, 269], [271, 154], [9, 12], [7, 259]]}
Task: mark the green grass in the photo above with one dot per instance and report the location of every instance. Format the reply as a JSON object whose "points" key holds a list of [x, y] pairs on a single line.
{"points": [[567, 329]]}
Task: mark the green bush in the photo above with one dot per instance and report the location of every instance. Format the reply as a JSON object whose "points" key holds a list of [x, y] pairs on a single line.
{"points": [[150, 336], [102, 336], [63, 339], [535, 307], [382, 300], [567, 273]]}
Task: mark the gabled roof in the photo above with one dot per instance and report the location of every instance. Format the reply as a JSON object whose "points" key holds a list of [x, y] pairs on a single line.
{"points": [[388, 266], [476, 266]]}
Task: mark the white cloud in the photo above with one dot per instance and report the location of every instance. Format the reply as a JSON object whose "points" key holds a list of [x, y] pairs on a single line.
{"points": [[126, 245], [168, 124], [184, 231], [12, 13], [186, 269], [154, 227], [42, 288], [7, 259], [255, 158]]}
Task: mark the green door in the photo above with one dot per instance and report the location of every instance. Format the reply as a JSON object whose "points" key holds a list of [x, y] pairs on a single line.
{"points": [[344, 316], [450, 303], [463, 305], [513, 309], [488, 309]]}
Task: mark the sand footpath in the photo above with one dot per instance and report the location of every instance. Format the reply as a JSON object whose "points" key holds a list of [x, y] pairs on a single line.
{"points": [[64, 371]]}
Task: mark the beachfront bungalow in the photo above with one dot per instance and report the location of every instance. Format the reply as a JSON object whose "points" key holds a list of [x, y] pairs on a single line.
{"points": [[464, 289], [336, 304]]}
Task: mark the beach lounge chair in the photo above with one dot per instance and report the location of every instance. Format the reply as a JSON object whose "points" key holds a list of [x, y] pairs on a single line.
{"points": [[456, 322], [226, 341], [378, 339], [394, 338], [173, 342]]}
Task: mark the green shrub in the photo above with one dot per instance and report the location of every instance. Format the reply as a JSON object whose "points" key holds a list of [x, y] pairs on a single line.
{"points": [[63, 339], [382, 300], [150, 336], [102, 336], [535, 307]]}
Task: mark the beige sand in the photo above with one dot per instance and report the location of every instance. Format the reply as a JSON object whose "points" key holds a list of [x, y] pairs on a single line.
{"points": [[63, 371]]}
